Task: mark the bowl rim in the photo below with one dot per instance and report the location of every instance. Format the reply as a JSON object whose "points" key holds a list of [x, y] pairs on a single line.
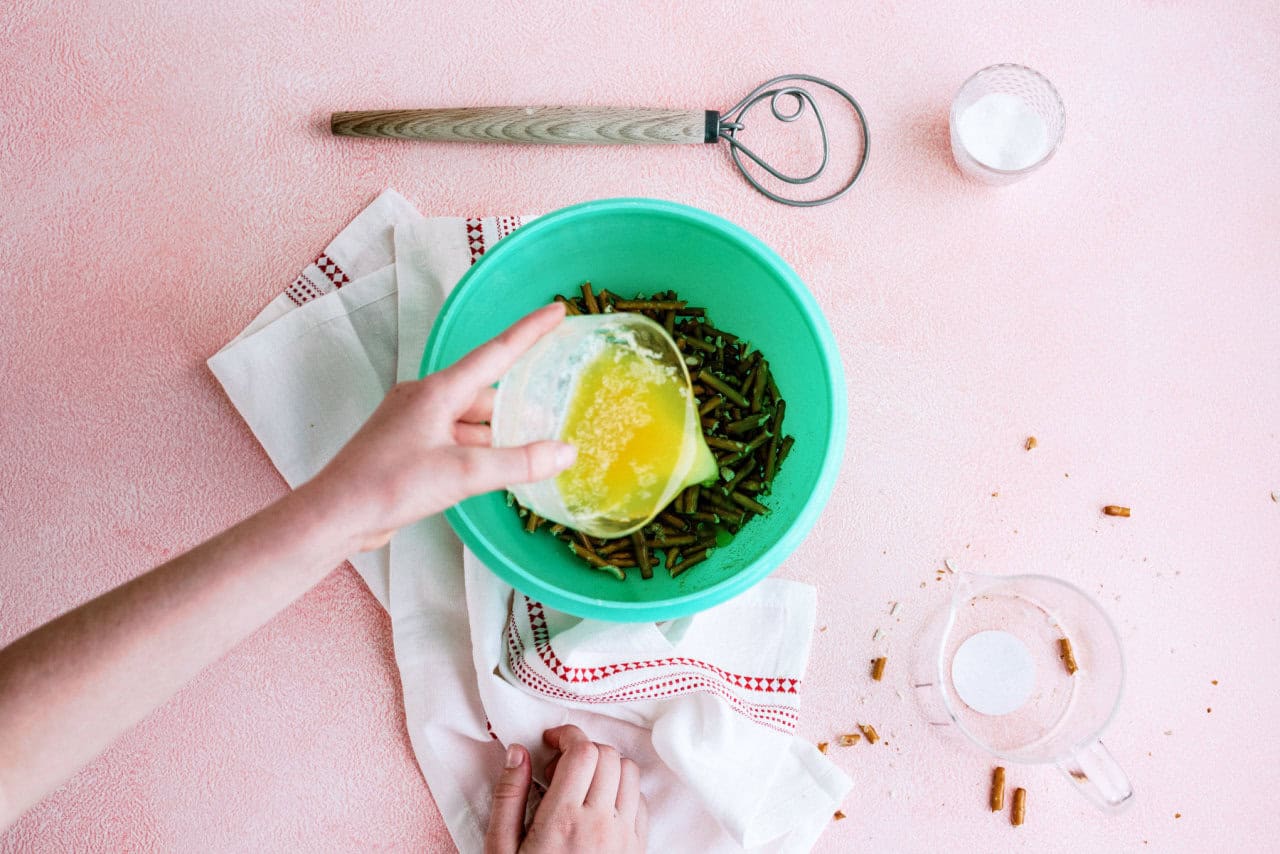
{"points": [[686, 603]]}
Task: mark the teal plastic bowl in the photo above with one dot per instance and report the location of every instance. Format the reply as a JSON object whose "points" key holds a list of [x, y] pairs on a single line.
{"points": [[644, 245]]}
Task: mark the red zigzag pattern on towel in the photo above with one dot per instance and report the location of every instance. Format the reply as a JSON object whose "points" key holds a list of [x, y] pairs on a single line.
{"points": [[303, 290], [693, 675], [503, 225]]}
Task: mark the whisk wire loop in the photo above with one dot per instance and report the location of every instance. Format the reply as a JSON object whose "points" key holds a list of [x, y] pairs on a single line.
{"points": [[732, 121]]}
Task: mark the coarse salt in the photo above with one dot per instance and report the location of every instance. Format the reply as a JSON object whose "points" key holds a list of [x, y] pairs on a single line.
{"points": [[1003, 132]]}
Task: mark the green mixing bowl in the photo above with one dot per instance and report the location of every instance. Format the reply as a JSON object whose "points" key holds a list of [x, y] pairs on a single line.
{"points": [[643, 245]]}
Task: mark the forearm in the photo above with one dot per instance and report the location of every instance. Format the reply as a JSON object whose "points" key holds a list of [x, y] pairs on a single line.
{"points": [[70, 688]]}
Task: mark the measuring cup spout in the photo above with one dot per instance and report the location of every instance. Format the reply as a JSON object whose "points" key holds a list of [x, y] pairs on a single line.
{"points": [[1095, 773]]}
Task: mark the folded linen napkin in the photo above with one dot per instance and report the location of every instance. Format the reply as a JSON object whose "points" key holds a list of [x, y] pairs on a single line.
{"points": [[706, 705]]}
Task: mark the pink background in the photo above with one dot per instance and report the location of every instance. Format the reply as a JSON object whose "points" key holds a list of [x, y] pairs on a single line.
{"points": [[165, 173]]}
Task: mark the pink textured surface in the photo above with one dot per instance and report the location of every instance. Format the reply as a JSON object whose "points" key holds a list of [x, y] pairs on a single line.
{"points": [[164, 174]]}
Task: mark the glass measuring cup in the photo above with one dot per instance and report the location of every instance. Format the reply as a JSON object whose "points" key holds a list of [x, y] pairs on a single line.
{"points": [[534, 399], [992, 666]]}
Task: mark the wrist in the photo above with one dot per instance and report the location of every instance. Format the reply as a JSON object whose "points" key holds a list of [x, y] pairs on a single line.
{"points": [[332, 515]]}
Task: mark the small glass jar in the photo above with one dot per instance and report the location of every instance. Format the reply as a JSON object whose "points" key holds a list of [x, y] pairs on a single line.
{"points": [[1006, 122]]}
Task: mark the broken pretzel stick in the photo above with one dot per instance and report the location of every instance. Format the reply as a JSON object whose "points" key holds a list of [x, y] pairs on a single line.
{"points": [[589, 299], [1115, 510], [877, 668], [1019, 807], [870, 732], [849, 739], [1067, 656], [997, 789]]}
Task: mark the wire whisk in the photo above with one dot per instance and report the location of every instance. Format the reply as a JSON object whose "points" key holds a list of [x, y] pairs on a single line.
{"points": [[626, 126]]}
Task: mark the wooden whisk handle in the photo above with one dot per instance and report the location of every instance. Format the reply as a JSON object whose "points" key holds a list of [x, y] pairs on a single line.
{"points": [[548, 125]]}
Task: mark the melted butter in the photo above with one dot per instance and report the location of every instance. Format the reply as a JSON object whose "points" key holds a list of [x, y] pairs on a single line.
{"points": [[638, 437]]}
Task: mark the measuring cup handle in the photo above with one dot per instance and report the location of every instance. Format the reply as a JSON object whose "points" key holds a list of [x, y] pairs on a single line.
{"points": [[1095, 773]]}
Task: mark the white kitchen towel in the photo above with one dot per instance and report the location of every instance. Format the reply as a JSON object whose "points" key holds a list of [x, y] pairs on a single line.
{"points": [[307, 371], [706, 705]]}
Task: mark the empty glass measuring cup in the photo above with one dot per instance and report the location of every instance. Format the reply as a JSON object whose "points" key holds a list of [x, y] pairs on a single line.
{"points": [[617, 387], [993, 666]]}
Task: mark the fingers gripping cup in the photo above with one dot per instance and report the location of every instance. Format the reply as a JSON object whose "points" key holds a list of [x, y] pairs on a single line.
{"points": [[616, 387]]}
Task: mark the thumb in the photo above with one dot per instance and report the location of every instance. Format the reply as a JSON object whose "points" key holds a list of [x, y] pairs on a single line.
{"points": [[494, 468], [506, 819]]}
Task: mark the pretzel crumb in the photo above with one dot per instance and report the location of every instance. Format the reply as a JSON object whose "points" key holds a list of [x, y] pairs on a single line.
{"points": [[822, 746], [838, 815], [870, 732], [849, 739], [1115, 510], [1031, 442], [1067, 656]]}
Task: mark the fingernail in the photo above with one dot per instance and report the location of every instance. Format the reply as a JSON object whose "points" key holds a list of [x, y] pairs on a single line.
{"points": [[565, 455], [515, 756]]}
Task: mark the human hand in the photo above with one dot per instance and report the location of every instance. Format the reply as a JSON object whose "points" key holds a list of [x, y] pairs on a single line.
{"points": [[427, 446], [593, 803]]}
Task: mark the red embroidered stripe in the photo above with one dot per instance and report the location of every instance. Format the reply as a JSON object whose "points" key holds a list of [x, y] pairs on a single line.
{"points": [[542, 643], [507, 224], [475, 237], [782, 718], [331, 270], [302, 290]]}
